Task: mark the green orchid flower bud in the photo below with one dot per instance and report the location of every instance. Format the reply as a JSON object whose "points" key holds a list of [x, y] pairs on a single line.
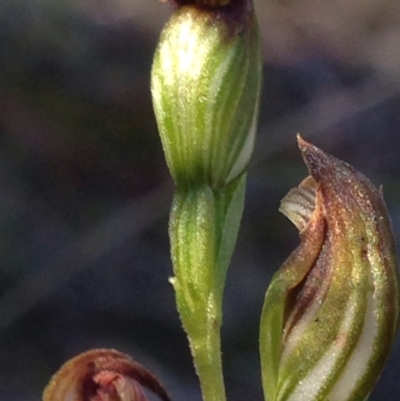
{"points": [[205, 84], [206, 87], [331, 311]]}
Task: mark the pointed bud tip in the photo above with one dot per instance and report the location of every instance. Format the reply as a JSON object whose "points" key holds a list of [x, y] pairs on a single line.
{"points": [[315, 159], [323, 167], [308, 150]]}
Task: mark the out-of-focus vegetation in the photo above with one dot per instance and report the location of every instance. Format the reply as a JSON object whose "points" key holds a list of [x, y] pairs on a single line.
{"points": [[85, 193]]}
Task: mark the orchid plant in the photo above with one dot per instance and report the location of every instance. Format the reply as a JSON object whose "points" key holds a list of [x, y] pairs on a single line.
{"points": [[330, 313]]}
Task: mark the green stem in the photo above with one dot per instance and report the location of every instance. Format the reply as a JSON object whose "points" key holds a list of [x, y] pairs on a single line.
{"points": [[208, 364], [203, 231]]}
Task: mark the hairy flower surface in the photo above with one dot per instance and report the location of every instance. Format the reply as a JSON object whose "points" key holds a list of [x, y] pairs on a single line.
{"points": [[331, 311]]}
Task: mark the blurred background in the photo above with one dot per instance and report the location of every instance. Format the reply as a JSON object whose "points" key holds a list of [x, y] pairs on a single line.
{"points": [[85, 193]]}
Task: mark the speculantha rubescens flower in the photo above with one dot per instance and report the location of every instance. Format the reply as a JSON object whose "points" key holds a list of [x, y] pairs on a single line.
{"points": [[331, 311], [103, 375]]}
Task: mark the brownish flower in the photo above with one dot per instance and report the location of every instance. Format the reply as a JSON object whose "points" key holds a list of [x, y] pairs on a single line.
{"points": [[331, 311], [103, 375]]}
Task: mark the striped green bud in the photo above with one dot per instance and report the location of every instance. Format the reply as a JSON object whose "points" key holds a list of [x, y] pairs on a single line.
{"points": [[206, 87], [331, 311]]}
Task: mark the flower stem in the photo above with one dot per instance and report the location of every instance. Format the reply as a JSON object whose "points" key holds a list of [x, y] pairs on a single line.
{"points": [[203, 231], [208, 364]]}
